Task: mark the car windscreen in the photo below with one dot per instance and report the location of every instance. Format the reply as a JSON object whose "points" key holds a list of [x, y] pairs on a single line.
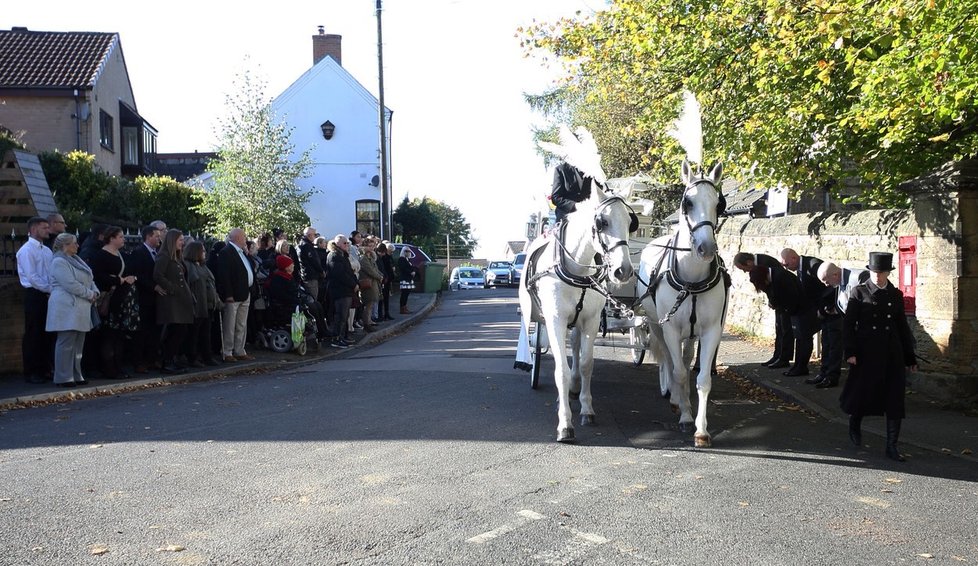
{"points": [[470, 273]]}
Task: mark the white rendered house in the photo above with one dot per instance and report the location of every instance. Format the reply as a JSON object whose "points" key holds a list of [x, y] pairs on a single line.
{"points": [[335, 117]]}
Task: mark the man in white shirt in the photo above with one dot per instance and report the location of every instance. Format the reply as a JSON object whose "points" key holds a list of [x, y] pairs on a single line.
{"points": [[33, 265], [234, 278]]}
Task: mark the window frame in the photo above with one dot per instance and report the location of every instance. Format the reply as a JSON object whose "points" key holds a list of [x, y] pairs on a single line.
{"points": [[367, 224], [106, 130]]}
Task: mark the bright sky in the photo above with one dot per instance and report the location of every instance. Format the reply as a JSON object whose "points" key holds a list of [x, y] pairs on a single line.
{"points": [[454, 76]]}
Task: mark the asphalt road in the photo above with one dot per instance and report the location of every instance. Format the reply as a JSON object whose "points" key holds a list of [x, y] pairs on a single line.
{"points": [[431, 449]]}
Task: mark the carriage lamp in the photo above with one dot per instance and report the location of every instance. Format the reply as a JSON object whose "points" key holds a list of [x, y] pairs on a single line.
{"points": [[328, 129]]}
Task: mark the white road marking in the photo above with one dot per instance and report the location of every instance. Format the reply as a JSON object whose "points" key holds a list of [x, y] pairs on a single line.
{"points": [[577, 547], [525, 516]]}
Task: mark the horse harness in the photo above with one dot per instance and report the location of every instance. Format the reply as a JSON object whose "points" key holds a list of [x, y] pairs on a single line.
{"points": [[718, 270], [563, 259]]}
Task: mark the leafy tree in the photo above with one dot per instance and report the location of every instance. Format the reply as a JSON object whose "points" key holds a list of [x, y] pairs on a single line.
{"points": [[161, 197], [424, 223], [863, 92], [9, 140], [86, 194], [255, 176]]}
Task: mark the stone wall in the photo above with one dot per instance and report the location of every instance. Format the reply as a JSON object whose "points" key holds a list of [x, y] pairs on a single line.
{"points": [[944, 219]]}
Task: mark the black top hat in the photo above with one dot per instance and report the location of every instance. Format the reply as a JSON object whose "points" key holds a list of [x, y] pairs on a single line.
{"points": [[880, 261]]}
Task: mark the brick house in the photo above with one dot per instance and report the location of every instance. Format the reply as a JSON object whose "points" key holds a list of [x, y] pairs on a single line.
{"points": [[71, 91]]}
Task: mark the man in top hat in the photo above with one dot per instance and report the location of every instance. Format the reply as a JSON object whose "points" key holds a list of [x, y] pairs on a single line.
{"points": [[878, 347]]}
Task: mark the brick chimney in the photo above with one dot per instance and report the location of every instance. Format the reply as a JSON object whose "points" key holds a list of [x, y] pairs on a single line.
{"points": [[326, 44]]}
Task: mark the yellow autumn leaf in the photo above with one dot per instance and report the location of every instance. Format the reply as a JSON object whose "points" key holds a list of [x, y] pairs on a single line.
{"points": [[98, 550], [171, 548], [892, 480]]}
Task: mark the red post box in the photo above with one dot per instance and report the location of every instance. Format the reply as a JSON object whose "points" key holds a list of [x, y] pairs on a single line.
{"points": [[908, 273]]}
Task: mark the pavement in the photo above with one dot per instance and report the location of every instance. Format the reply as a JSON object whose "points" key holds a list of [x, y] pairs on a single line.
{"points": [[930, 424]]}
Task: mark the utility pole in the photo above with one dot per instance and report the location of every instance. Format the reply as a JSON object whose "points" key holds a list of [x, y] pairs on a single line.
{"points": [[385, 194]]}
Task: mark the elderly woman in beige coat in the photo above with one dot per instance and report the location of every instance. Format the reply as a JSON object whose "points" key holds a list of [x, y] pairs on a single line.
{"points": [[370, 280], [73, 292]]}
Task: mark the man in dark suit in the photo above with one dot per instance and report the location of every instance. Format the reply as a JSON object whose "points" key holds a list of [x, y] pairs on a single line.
{"points": [[570, 187], [831, 310], [310, 267], [784, 341], [804, 323], [234, 278], [141, 261]]}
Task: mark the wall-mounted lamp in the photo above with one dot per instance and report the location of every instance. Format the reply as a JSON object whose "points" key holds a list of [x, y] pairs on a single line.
{"points": [[328, 129]]}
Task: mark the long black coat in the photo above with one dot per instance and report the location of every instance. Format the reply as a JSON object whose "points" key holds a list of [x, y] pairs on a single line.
{"points": [[232, 275], [875, 330], [177, 305], [342, 280]]}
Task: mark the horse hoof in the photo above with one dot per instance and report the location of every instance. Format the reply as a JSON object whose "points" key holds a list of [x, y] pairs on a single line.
{"points": [[685, 427], [587, 420], [565, 435], [702, 441]]}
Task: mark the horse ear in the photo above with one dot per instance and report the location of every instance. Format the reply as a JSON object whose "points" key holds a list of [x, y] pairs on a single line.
{"points": [[687, 173], [716, 172]]}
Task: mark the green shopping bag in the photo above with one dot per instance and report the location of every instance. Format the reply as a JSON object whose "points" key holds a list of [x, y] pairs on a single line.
{"points": [[298, 327]]}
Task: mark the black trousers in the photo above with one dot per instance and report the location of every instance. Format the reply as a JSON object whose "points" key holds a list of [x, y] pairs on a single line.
{"points": [[197, 344], [37, 347], [831, 348], [404, 297], [784, 339], [146, 340], [172, 339], [804, 325]]}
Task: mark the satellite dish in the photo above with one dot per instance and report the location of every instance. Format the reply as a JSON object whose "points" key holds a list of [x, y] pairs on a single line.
{"points": [[375, 181]]}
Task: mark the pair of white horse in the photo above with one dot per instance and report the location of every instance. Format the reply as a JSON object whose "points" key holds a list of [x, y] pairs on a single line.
{"points": [[564, 287]]}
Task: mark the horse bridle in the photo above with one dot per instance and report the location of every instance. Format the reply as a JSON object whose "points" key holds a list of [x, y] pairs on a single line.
{"points": [[600, 224], [682, 205]]}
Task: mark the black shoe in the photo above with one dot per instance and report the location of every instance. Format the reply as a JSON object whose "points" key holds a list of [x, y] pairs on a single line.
{"points": [[81, 382], [773, 359], [855, 430], [814, 380], [35, 379], [522, 366], [172, 369], [779, 364], [795, 372], [827, 383]]}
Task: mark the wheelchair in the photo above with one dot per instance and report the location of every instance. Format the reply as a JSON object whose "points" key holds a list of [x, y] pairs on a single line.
{"points": [[277, 332]]}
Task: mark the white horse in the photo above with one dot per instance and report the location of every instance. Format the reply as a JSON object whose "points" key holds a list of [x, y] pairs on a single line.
{"points": [[561, 286], [683, 289]]}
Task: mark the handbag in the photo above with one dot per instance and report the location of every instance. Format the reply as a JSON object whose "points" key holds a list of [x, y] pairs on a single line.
{"points": [[102, 303], [366, 284], [96, 319]]}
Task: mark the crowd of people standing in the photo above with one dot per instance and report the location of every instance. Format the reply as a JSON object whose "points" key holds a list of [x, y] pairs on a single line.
{"points": [[93, 308]]}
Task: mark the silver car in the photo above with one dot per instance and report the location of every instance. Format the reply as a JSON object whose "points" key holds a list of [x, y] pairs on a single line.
{"points": [[500, 273]]}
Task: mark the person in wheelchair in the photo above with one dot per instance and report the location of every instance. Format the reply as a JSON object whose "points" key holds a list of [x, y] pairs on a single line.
{"points": [[285, 295]]}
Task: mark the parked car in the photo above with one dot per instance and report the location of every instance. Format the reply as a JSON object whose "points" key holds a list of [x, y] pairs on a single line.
{"points": [[518, 262], [467, 277], [499, 273]]}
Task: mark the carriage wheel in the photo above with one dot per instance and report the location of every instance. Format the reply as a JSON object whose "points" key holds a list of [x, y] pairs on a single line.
{"points": [[637, 337], [537, 357]]}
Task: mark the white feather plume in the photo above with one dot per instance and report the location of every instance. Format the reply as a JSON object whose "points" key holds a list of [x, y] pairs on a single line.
{"points": [[579, 150], [688, 129]]}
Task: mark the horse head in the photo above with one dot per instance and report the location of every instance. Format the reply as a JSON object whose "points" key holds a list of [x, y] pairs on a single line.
{"points": [[614, 220], [702, 204]]}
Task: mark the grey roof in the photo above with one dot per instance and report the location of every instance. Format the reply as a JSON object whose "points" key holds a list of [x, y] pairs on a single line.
{"points": [[50, 59]]}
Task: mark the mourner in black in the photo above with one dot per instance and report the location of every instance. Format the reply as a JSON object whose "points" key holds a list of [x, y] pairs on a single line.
{"points": [[878, 348], [831, 309], [804, 322], [784, 341], [570, 187]]}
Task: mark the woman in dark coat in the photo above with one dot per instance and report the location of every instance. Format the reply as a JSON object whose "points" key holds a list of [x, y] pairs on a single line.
{"points": [[204, 290], [175, 308], [111, 276], [386, 264], [878, 346], [342, 282], [407, 274]]}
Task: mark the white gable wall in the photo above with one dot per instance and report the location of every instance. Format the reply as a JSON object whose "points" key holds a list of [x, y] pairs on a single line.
{"points": [[342, 167]]}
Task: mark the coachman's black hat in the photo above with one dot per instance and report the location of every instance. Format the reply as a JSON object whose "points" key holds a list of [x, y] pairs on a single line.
{"points": [[880, 261]]}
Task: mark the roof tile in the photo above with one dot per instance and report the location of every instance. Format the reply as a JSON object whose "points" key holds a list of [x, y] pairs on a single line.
{"points": [[49, 59]]}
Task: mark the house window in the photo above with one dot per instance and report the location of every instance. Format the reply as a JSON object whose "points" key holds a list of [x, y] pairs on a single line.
{"points": [[105, 130], [368, 216], [130, 146]]}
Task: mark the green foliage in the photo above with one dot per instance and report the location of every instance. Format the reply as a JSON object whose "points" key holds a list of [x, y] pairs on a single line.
{"points": [[165, 199], [255, 175], [425, 222], [9, 140], [84, 194], [860, 92]]}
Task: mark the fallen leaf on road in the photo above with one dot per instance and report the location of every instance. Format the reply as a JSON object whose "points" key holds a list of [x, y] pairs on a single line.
{"points": [[98, 550], [926, 555], [892, 480], [884, 490], [743, 504], [95, 446], [171, 548]]}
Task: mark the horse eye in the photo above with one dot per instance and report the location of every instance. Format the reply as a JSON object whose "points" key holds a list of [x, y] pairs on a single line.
{"points": [[687, 204]]}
